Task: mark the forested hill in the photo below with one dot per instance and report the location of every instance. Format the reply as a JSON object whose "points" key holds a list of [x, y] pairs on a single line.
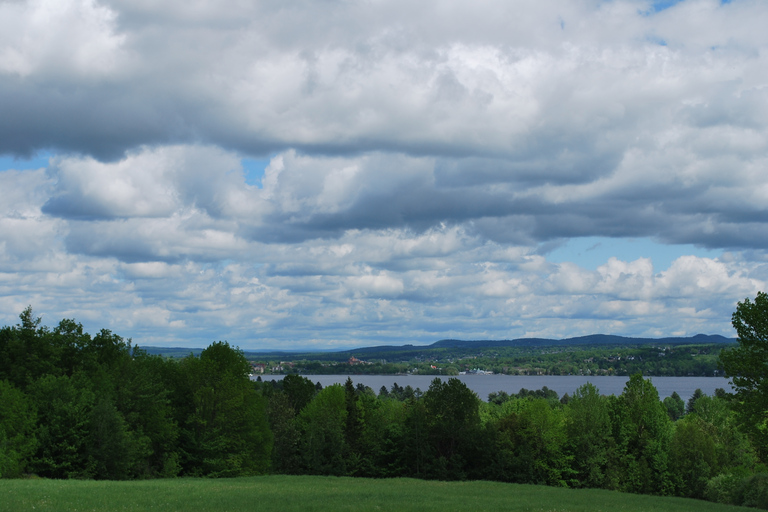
{"points": [[408, 350], [591, 340]]}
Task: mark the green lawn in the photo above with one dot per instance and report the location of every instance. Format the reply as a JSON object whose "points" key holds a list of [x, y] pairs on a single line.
{"points": [[307, 493]]}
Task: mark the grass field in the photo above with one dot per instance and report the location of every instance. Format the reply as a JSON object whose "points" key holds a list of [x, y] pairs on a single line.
{"points": [[307, 493]]}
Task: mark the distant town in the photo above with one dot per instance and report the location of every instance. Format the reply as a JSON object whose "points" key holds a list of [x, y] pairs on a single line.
{"points": [[695, 356]]}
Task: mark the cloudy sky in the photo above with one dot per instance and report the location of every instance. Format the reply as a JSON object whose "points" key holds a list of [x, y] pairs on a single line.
{"points": [[294, 173]]}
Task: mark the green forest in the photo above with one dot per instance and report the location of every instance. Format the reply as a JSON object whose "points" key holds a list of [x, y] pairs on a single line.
{"points": [[76, 406]]}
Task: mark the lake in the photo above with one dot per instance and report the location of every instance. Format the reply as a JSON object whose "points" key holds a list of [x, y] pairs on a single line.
{"points": [[485, 384]]}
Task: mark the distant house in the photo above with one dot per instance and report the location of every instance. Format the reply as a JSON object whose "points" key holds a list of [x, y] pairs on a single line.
{"points": [[258, 368]]}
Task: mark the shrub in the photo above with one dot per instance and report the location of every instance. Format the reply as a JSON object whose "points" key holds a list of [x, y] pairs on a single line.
{"points": [[722, 488], [753, 491]]}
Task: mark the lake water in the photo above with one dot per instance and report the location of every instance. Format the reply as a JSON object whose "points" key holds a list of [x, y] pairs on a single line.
{"points": [[485, 384]]}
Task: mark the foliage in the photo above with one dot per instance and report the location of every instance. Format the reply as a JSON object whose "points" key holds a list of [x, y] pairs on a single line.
{"points": [[642, 429], [299, 390], [588, 430], [692, 401], [530, 443], [321, 424], [100, 408], [17, 430], [453, 425], [675, 406], [693, 456], [76, 406], [282, 422], [753, 491], [226, 433], [108, 444], [747, 365], [64, 413]]}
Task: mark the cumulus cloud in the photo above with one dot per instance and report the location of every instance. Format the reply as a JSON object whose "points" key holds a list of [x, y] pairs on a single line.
{"points": [[151, 182], [52, 39], [436, 78], [424, 158]]}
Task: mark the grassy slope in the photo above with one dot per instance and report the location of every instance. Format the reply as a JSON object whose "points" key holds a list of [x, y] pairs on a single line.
{"points": [[307, 493]]}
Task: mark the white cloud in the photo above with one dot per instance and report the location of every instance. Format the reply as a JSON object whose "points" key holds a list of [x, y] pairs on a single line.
{"points": [[58, 38], [153, 182], [424, 159]]}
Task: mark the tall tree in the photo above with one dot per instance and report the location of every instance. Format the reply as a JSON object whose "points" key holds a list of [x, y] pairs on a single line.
{"points": [[142, 397], [109, 446], [693, 457], [300, 391], [17, 430], [706, 443], [453, 415], [64, 414], [282, 420], [588, 425], [675, 406], [322, 423], [692, 401], [226, 433], [528, 442], [642, 429], [353, 427], [26, 353], [747, 366]]}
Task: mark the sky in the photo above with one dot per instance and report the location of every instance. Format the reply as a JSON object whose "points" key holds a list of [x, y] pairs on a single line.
{"points": [[292, 174]]}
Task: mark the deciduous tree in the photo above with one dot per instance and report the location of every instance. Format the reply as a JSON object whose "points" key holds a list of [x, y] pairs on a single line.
{"points": [[747, 366], [588, 425], [642, 430]]}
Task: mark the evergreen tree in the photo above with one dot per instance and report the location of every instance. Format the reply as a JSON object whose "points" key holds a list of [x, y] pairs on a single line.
{"points": [[675, 406], [322, 425], [226, 432], [453, 423], [64, 407], [299, 390], [18, 419], [282, 422], [692, 401]]}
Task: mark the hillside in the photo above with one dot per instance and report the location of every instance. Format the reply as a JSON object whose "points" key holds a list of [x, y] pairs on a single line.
{"points": [[408, 351]]}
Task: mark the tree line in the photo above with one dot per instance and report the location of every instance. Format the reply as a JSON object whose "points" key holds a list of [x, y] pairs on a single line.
{"points": [[632, 442], [79, 406]]}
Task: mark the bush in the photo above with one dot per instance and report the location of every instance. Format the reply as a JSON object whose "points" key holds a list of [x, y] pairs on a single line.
{"points": [[747, 491], [722, 488], [753, 491]]}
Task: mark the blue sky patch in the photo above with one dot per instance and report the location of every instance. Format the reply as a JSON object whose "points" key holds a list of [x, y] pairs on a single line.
{"points": [[254, 170], [591, 252], [660, 5], [23, 164]]}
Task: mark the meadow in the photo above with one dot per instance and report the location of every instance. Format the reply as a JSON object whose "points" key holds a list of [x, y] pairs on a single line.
{"points": [[316, 493]]}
